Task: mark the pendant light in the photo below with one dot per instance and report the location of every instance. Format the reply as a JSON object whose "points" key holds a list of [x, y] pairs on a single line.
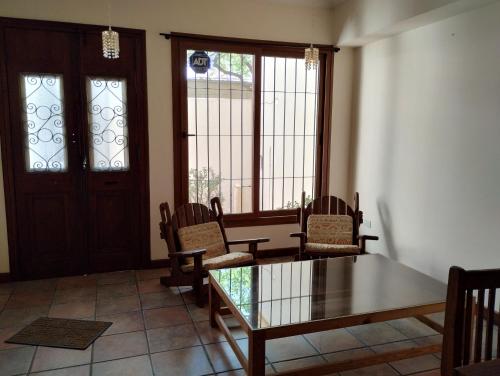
{"points": [[311, 54], [110, 41]]}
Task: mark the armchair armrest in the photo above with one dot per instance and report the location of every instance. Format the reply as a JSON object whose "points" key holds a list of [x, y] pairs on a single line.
{"points": [[302, 246], [252, 244], [191, 253], [363, 238], [248, 241], [368, 237]]}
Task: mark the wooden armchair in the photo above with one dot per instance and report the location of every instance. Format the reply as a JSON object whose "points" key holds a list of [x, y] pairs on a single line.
{"points": [[469, 322], [330, 228], [197, 242]]}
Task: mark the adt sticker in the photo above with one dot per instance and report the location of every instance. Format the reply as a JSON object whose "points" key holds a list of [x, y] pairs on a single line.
{"points": [[199, 61]]}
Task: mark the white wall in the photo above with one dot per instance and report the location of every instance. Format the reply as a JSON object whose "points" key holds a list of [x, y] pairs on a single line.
{"points": [[341, 134], [425, 151], [232, 18], [357, 22]]}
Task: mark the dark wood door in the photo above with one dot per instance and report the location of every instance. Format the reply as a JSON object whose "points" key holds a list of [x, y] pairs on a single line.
{"points": [[44, 128], [113, 143], [77, 150]]}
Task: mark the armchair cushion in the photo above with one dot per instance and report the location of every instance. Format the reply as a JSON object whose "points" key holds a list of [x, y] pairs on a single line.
{"points": [[206, 235], [228, 259], [329, 229], [332, 248]]}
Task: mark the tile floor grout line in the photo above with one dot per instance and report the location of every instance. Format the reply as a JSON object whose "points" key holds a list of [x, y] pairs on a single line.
{"points": [[36, 347], [144, 326], [59, 368], [32, 361], [435, 356], [410, 339], [7, 301], [393, 368], [196, 331], [401, 332], [314, 347], [48, 313], [348, 329], [369, 347], [91, 367], [387, 343], [420, 372]]}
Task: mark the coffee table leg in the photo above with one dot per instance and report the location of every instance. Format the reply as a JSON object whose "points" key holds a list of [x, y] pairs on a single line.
{"points": [[214, 304], [256, 354]]}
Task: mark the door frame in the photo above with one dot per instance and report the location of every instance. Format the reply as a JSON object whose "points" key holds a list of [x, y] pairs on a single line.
{"points": [[6, 134]]}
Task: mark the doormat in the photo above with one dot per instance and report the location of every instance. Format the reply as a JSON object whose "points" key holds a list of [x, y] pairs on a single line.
{"points": [[64, 333]]}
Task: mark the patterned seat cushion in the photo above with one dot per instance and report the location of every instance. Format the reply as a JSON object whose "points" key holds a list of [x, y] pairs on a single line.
{"points": [[219, 262], [332, 248], [206, 235], [329, 229]]}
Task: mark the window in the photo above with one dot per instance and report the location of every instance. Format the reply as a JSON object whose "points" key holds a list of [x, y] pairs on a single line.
{"points": [[108, 129], [288, 130], [220, 131], [43, 122], [250, 129]]}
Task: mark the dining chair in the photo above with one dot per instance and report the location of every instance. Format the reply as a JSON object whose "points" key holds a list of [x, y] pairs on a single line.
{"points": [[329, 227], [197, 242], [470, 319]]}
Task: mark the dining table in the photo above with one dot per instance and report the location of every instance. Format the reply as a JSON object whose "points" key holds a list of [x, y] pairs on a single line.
{"points": [[293, 298]]}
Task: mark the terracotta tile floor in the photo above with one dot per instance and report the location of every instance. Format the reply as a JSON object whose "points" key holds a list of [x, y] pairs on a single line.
{"points": [[159, 331]]}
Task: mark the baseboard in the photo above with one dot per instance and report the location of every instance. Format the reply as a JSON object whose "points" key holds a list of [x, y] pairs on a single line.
{"points": [[160, 263], [263, 253], [165, 263]]}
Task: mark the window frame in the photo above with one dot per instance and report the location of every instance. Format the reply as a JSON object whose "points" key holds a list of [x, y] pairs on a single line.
{"points": [[180, 43]]}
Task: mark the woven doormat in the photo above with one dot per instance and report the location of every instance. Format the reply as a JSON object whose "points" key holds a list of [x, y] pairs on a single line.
{"points": [[65, 333]]}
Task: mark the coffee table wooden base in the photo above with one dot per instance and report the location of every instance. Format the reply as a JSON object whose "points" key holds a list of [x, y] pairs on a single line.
{"points": [[255, 363]]}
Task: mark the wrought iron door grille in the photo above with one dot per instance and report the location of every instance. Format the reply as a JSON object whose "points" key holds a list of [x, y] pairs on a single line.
{"points": [[107, 118], [43, 119]]}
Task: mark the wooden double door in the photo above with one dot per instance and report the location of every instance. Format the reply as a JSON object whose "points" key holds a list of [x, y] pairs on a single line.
{"points": [[74, 149]]}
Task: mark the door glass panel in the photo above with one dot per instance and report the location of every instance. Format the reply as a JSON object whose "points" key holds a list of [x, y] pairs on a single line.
{"points": [[43, 122], [107, 117], [220, 106]]}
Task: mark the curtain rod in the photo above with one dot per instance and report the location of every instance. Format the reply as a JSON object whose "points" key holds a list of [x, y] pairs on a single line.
{"points": [[249, 41]]}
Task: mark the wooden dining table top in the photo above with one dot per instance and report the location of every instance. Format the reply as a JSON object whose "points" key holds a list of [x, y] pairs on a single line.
{"points": [[270, 296]]}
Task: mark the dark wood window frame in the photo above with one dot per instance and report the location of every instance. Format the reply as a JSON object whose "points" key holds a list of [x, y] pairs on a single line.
{"points": [[180, 43]]}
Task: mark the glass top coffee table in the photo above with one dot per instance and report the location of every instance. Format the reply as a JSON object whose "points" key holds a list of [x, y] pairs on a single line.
{"points": [[287, 299]]}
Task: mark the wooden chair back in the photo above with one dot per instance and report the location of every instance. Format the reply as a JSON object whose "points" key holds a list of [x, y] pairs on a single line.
{"points": [[333, 206], [187, 215], [469, 322]]}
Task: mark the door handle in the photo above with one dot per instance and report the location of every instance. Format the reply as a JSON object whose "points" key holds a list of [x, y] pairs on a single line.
{"points": [[84, 163]]}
